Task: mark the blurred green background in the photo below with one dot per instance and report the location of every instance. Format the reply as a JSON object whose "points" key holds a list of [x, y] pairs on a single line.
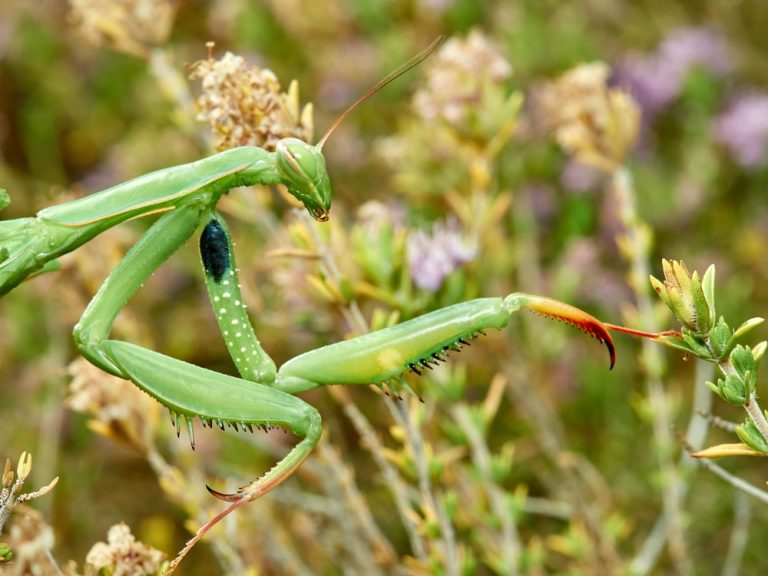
{"points": [[81, 111]]}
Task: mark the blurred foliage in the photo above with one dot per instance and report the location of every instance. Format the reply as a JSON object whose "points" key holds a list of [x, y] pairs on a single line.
{"points": [[448, 185]]}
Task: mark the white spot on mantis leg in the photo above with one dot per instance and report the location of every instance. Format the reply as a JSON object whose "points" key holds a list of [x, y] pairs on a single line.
{"points": [[216, 298], [222, 310], [227, 295], [238, 335], [242, 349], [235, 322]]}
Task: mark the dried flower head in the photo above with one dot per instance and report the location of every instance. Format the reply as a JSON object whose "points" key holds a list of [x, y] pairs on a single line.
{"points": [[244, 104], [120, 411], [432, 257], [28, 545], [123, 555], [459, 79], [130, 26], [12, 484], [595, 123]]}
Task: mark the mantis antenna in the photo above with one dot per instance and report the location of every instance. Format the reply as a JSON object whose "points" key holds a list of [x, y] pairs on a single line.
{"points": [[416, 60]]}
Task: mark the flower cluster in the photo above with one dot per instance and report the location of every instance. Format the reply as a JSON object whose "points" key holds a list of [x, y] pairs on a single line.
{"points": [[130, 26], [656, 79], [122, 554], [743, 129], [462, 71], [120, 411], [244, 104], [595, 123], [432, 257]]}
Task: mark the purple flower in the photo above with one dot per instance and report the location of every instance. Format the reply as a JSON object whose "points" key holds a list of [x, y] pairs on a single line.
{"points": [[578, 177], [743, 129], [432, 257], [656, 79]]}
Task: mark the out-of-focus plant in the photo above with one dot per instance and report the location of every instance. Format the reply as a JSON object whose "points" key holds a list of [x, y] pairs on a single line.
{"points": [[131, 26], [10, 496]]}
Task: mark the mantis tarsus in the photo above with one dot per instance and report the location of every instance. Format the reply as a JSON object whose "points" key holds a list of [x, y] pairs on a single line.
{"points": [[185, 197]]}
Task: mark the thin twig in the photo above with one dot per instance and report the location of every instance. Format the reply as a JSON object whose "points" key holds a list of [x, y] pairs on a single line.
{"points": [[636, 254], [742, 514], [654, 543], [510, 539]]}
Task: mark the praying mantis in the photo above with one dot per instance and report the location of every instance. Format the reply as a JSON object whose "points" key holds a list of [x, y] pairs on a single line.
{"points": [[185, 199]]}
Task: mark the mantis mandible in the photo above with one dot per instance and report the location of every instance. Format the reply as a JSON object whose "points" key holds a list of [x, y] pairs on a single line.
{"points": [[185, 197]]}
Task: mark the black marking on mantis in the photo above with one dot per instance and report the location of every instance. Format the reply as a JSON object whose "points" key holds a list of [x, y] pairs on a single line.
{"points": [[214, 250]]}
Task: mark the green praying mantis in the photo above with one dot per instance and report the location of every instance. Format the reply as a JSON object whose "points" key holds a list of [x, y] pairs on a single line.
{"points": [[185, 198]]}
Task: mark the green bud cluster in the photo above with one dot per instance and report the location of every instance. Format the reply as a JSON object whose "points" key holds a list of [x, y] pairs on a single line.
{"points": [[703, 334], [690, 299], [5, 552]]}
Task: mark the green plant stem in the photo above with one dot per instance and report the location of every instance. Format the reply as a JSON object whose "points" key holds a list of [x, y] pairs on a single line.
{"points": [[481, 457], [752, 407], [742, 514], [645, 560], [636, 249], [757, 415]]}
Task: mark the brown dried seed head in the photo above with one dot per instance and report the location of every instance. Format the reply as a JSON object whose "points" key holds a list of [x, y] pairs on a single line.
{"points": [[598, 124], [245, 106]]}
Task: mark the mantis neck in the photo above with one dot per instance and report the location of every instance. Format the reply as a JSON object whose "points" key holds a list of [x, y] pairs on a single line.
{"points": [[263, 170]]}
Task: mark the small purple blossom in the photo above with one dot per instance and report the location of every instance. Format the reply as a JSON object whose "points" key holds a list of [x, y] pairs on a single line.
{"points": [[656, 79], [743, 129], [432, 257], [578, 177]]}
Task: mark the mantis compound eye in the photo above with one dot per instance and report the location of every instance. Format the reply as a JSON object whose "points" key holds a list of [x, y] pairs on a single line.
{"points": [[302, 169]]}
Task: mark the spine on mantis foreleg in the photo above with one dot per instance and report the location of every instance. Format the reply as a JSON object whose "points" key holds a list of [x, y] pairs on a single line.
{"points": [[420, 343], [222, 279]]}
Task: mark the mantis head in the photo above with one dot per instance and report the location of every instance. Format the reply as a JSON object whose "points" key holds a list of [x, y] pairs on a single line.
{"points": [[301, 167]]}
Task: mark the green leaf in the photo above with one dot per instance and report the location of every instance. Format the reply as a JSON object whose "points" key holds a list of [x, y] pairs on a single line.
{"points": [[747, 326], [743, 361], [759, 350], [708, 286], [750, 435], [700, 306], [733, 390], [721, 338]]}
